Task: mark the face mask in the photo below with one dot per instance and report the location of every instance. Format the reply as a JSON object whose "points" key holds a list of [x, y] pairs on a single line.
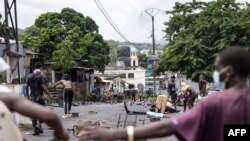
{"points": [[248, 80], [217, 81]]}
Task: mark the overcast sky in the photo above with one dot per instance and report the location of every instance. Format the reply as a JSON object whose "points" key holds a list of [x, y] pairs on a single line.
{"points": [[126, 14]]}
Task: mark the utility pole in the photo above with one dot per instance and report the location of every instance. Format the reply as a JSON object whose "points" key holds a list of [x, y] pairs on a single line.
{"points": [[152, 12], [8, 7]]}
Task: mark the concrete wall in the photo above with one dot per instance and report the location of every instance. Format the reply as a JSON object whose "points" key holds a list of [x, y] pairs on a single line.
{"points": [[21, 62], [139, 75], [21, 52], [17, 117]]}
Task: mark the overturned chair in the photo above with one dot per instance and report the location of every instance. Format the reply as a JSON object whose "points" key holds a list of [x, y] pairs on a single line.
{"points": [[130, 113]]}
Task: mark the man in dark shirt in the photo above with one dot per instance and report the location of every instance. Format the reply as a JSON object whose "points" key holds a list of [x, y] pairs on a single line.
{"points": [[204, 122], [36, 83], [172, 89], [133, 94]]}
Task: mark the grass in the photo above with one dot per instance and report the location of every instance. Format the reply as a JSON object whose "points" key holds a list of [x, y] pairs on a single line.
{"points": [[25, 127]]}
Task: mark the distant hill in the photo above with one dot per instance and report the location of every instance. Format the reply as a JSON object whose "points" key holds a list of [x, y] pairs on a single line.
{"points": [[159, 44], [20, 30]]}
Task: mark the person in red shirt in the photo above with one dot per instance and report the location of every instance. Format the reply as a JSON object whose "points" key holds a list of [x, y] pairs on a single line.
{"points": [[206, 120]]}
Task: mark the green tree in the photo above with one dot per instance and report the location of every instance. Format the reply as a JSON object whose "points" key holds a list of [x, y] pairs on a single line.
{"points": [[5, 30], [142, 60], [113, 52], [123, 51], [123, 54], [197, 31], [71, 34]]}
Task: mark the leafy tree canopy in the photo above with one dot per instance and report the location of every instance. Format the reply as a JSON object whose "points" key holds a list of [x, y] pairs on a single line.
{"points": [[123, 51], [113, 52], [142, 60], [197, 31], [69, 39], [4, 30]]}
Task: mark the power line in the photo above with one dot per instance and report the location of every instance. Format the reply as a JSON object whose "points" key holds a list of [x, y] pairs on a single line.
{"points": [[106, 15]]}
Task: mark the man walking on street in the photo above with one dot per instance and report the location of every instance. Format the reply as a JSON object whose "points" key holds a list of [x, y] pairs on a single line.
{"points": [[172, 89], [36, 83]]}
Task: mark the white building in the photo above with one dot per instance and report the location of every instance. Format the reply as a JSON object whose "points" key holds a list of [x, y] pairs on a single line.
{"points": [[134, 75], [133, 58], [150, 52]]}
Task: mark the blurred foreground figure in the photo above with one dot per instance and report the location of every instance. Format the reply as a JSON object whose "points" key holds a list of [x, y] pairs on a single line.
{"points": [[206, 120], [11, 102]]}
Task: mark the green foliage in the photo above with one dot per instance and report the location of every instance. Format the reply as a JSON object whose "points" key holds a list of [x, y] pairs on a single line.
{"points": [[113, 52], [87, 96], [2, 77], [5, 30], [197, 31], [142, 60], [123, 54], [78, 96], [64, 55], [69, 39], [123, 51]]}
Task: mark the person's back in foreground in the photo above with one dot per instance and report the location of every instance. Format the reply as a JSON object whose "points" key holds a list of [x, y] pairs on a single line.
{"points": [[205, 122]]}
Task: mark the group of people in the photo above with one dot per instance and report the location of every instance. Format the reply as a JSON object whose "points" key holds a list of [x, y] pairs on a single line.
{"points": [[34, 108], [134, 94], [188, 94], [37, 85], [204, 122]]}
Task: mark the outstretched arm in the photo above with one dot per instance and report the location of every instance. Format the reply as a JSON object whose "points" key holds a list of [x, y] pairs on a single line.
{"points": [[57, 83], [154, 130], [30, 109]]}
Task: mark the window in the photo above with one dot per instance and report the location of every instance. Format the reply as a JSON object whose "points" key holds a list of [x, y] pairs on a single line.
{"points": [[123, 75], [130, 75]]}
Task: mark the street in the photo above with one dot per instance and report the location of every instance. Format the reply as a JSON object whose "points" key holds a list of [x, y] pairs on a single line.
{"points": [[107, 113]]}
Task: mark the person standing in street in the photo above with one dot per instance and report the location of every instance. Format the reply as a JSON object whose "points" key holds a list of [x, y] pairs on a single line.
{"points": [[206, 121], [202, 86], [172, 89], [141, 94], [190, 93], [94, 94], [133, 94], [36, 83], [67, 94]]}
